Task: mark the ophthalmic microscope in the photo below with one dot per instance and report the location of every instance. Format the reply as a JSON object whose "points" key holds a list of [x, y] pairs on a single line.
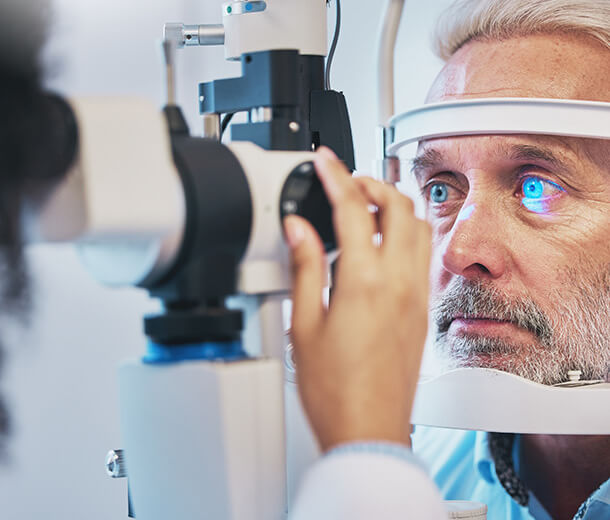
{"points": [[198, 224]]}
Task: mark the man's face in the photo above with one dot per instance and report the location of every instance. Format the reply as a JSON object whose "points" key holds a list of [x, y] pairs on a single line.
{"points": [[521, 224]]}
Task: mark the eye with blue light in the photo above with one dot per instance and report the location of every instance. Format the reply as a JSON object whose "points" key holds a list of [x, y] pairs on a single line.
{"points": [[536, 193]]}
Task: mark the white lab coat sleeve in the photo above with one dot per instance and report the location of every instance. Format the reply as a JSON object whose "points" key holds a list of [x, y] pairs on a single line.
{"points": [[367, 486]]}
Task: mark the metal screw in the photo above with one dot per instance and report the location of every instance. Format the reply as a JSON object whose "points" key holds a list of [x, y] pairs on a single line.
{"points": [[574, 375], [290, 206], [115, 464]]}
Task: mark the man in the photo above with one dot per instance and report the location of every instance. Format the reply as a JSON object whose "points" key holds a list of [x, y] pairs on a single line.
{"points": [[521, 261], [518, 286]]}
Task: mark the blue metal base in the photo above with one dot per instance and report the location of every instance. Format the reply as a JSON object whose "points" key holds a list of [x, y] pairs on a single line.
{"points": [[212, 351]]}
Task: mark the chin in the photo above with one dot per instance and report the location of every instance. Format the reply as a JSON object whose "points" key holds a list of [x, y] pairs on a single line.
{"points": [[528, 360], [504, 362]]}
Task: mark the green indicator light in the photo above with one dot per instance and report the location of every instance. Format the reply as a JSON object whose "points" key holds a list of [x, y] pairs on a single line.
{"points": [[229, 10]]}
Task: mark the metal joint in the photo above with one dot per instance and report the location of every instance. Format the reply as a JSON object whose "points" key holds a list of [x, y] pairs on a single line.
{"points": [[189, 35], [261, 115], [388, 166], [211, 126]]}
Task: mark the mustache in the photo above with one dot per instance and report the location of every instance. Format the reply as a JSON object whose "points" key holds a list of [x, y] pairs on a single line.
{"points": [[479, 299]]}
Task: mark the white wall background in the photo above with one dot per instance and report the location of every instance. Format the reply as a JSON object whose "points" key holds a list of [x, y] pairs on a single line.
{"points": [[61, 381]]}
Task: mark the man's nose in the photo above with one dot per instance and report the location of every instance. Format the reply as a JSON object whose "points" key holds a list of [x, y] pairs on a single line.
{"points": [[475, 246]]}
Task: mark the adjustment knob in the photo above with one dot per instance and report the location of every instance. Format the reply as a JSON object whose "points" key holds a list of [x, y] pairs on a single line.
{"points": [[115, 464], [304, 195]]}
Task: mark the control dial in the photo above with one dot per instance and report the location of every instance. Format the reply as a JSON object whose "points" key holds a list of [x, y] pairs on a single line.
{"points": [[304, 195]]}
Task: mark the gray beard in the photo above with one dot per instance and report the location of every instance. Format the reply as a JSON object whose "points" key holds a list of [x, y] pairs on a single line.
{"points": [[575, 337]]}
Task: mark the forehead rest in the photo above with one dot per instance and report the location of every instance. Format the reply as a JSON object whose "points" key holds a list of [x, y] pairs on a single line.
{"points": [[502, 116]]}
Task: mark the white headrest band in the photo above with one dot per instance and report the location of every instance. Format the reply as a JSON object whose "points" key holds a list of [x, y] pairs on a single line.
{"points": [[500, 116]]}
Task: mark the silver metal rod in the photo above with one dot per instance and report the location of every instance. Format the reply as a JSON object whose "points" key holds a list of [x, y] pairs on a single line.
{"points": [[211, 34], [169, 52], [211, 126], [385, 60]]}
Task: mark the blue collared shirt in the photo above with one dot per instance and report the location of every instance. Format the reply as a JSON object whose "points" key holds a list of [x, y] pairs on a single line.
{"points": [[461, 464], [597, 507]]}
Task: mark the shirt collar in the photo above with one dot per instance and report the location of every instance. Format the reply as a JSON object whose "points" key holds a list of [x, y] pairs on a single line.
{"points": [[483, 462], [603, 493], [597, 505]]}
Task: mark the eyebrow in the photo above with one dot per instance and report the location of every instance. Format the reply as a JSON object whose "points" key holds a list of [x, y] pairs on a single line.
{"points": [[527, 152], [429, 158], [432, 158]]}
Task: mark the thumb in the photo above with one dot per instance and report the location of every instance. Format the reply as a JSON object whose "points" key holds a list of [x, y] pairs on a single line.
{"points": [[309, 276]]}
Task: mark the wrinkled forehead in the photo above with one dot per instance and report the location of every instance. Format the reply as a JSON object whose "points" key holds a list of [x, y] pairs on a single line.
{"points": [[555, 90], [558, 65]]}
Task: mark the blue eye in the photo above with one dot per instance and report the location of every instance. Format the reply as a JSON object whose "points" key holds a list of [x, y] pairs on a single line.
{"points": [[532, 188], [439, 192], [537, 188], [537, 194]]}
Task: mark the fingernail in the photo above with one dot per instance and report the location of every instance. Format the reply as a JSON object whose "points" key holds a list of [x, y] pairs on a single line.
{"points": [[295, 232], [327, 153], [324, 167]]}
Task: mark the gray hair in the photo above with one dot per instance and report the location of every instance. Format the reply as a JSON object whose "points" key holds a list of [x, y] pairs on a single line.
{"points": [[467, 20]]}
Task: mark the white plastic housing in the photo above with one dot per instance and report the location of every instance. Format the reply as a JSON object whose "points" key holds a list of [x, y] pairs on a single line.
{"points": [[510, 404], [302, 448], [468, 399], [265, 267], [590, 119], [284, 24], [122, 203], [204, 440]]}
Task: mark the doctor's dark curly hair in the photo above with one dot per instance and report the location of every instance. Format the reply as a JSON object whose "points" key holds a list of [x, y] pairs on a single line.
{"points": [[31, 150]]}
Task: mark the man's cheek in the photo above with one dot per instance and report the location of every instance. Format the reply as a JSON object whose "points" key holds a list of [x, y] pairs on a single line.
{"points": [[439, 277], [579, 226]]}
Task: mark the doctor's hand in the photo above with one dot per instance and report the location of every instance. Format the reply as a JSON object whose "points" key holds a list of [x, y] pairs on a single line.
{"points": [[358, 361]]}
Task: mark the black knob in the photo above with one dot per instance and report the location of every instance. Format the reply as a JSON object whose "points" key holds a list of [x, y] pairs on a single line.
{"points": [[304, 195]]}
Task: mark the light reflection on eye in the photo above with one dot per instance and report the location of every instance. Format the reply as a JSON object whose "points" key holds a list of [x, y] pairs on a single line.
{"points": [[537, 193]]}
